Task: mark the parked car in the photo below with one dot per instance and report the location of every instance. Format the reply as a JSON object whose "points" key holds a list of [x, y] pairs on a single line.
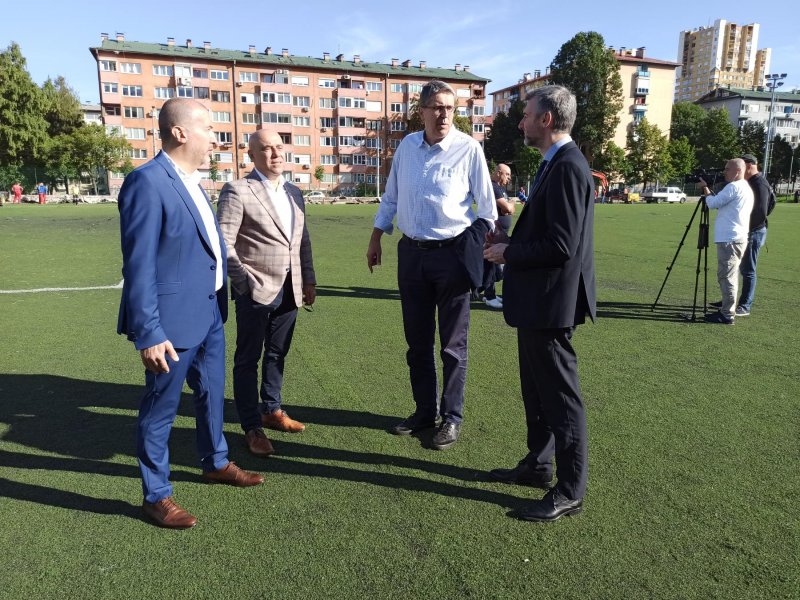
{"points": [[314, 195], [621, 194], [664, 194]]}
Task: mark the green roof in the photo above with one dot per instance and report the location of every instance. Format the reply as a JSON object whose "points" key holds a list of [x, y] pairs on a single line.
{"points": [[751, 94], [262, 59]]}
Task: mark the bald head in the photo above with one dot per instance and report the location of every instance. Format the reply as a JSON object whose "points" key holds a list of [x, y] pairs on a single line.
{"points": [[176, 111], [266, 152], [502, 174], [734, 169]]}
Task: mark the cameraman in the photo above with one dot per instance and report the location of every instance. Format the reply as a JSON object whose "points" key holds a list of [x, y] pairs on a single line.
{"points": [[734, 202]]}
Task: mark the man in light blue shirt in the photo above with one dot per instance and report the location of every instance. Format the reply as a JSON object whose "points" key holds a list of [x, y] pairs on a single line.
{"points": [[436, 176]]}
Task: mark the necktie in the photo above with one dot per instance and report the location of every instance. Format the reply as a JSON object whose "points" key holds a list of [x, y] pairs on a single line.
{"points": [[539, 171]]}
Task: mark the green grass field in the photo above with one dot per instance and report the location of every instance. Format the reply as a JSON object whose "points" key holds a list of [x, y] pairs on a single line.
{"points": [[694, 437]]}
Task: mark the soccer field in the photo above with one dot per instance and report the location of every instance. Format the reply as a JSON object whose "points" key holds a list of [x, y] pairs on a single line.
{"points": [[694, 436]]}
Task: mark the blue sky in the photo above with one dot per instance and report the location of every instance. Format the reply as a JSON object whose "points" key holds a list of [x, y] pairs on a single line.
{"points": [[499, 40]]}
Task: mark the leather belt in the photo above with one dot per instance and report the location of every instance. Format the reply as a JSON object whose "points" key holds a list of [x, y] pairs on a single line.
{"points": [[430, 244]]}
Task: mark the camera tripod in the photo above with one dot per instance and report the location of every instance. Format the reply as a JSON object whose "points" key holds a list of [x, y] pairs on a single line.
{"points": [[702, 254]]}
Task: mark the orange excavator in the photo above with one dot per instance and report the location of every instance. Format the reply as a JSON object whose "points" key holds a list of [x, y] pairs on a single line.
{"points": [[602, 179]]}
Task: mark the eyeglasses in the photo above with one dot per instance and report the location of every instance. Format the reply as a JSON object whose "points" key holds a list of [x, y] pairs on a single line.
{"points": [[441, 108]]}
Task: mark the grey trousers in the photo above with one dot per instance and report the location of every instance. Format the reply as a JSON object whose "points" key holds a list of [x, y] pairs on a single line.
{"points": [[729, 255]]}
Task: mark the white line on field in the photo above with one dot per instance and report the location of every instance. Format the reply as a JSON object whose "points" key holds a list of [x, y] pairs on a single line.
{"points": [[65, 289]]}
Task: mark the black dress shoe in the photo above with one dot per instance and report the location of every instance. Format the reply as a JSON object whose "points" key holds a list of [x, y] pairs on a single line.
{"points": [[552, 507], [522, 474], [413, 424], [446, 436]]}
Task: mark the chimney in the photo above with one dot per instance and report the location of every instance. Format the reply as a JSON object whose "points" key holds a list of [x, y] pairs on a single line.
{"points": [[395, 62], [356, 58], [547, 70], [120, 37], [340, 57], [170, 41], [251, 50], [268, 51], [640, 52], [326, 56], [466, 68], [188, 43], [537, 74], [423, 64], [206, 46], [285, 52], [526, 77], [622, 50], [103, 37], [458, 67], [406, 63]]}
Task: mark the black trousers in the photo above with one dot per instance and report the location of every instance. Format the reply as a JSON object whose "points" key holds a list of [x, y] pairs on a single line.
{"points": [[433, 282], [554, 412]]}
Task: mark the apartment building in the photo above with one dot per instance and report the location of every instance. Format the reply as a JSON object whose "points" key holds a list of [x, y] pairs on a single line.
{"points": [[647, 91], [345, 115], [722, 55]]}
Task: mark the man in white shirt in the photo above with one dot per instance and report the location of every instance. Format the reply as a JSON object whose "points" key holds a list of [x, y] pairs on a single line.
{"points": [[734, 202], [262, 218], [436, 176]]}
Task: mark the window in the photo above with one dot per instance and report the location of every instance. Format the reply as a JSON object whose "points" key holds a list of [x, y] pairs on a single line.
{"points": [[327, 122], [271, 117], [162, 70], [374, 143], [398, 126], [373, 161], [328, 141], [327, 83], [326, 102], [135, 133], [414, 88], [374, 125], [346, 159], [477, 128], [276, 98], [394, 143], [301, 121], [201, 93], [110, 88], [280, 77], [352, 102], [221, 75], [224, 157], [220, 116], [351, 140], [246, 138], [248, 76], [396, 88], [374, 106], [217, 96], [327, 159], [398, 107], [286, 138], [300, 80], [223, 137], [112, 110], [185, 92], [249, 118], [302, 178], [351, 122], [302, 159], [132, 90], [302, 140], [359, 159], [301, 101], [478, 111], [329, 178], [137, 153], [461, 111], [374, 86], [200, 73], [114, 130], [462, 92], [134, 68], [108, 65], [163, 92], [134, 112]]}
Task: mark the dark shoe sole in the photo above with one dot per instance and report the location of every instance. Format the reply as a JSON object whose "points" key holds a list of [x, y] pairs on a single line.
{"points": [[566, 513], [443, 446]]}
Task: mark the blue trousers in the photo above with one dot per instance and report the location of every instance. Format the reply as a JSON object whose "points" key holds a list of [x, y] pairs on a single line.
{"points": [[755, 240], [203, 369]]}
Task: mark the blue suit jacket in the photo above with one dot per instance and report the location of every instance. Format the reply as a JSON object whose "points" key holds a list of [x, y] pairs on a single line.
{"points": [[167, 261]]}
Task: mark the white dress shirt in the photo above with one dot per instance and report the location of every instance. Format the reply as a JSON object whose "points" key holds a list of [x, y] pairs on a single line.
{"points": [[735, 203], [192, 185], [431, 188], [280, 200]]}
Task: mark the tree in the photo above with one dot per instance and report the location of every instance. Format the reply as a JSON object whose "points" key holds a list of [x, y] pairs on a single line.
{"points": [[526, 161], [591, 71], [23, 127], [719, 141], [96, 151], [648, 153], [62, 109], [751, 139], [681, 155], [213, 175], [613, 162], [504, 138], [687, 121], [319, 173], [59, 159], [780, 160]]}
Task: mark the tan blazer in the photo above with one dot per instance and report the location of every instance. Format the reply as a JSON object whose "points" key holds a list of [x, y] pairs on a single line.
{"points": [[259, 252]]}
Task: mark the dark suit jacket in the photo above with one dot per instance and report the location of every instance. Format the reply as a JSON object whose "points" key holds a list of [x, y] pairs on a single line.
{"points": [[549, 275], [167, 261]]}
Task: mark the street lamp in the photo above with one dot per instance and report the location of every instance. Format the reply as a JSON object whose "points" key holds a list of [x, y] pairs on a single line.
{"points": [[774, 81]]}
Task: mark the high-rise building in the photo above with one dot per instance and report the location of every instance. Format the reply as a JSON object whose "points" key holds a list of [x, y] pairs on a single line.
{"points": [[722, 55], [346, 116]]}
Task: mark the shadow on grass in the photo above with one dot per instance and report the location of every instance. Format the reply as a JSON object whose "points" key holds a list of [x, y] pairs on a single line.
{"points": [[638, 311], [91, 424], [358, 292]]}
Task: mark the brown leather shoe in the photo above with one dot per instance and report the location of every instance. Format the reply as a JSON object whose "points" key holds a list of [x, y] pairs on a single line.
{"points": [[167, 513], [280, 421], [257, 443], [230, 474]]}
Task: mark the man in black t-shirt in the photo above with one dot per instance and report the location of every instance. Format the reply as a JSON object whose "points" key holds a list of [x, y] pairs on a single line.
{"points": [[493, 273], [757, 236]]}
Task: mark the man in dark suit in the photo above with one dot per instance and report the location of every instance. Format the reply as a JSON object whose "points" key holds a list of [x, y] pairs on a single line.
{"points": [[549, 289], [174, 305]]}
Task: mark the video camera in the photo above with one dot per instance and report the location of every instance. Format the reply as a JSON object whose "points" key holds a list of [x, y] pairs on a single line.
{"points": [[710, 176]]}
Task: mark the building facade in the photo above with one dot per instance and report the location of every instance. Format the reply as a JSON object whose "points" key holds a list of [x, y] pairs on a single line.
{"points": [[744, 105], [345, 116], [722, 55], [647, 90]]}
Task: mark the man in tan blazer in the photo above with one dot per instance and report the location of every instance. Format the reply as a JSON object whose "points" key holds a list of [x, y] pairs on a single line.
{"points": [[262, 218]]}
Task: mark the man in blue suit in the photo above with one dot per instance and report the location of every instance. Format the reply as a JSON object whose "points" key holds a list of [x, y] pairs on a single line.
{"points": [[174, 304], [549, 289]]}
